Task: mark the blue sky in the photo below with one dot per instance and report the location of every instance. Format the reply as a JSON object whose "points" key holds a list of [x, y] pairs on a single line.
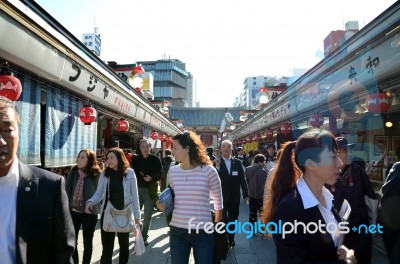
{"points": [[221, 42]]}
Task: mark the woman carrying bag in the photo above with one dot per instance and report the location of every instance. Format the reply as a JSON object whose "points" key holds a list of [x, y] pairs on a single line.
{"points": [[117, 185], [81, 184]]}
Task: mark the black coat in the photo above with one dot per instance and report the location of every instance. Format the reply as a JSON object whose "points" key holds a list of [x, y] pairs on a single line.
{"points": [[389, 214], [360, 243], [231, 183], [44, 229], [302, 248]]}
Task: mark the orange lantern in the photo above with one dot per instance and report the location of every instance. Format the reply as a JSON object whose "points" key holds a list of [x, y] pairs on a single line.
{"points": [[378, 103], [87, 114], [286, 128], [316, 120], [153, 135], [123, 125], [10, 86]]}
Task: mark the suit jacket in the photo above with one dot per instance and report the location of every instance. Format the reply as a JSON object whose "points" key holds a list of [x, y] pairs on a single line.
{"points": [[44, 229], [389, 214], [302, 248], [255, 178], [232, 181]]}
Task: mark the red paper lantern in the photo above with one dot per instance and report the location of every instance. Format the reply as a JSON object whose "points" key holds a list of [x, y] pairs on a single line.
{"points": [[378, 103], [286, 128], [123, 125], [256, 137], [153, 135], [269, 133], [10, 87], [169, 140], [316, 120], [163, 137], [87, 114]]}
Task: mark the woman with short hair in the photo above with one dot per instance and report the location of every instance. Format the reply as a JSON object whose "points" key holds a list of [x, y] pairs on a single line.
{"points": [[297, 194]]}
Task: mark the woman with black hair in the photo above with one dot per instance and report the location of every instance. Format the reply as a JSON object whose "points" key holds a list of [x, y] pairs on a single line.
{"points": [[117, 185], [81, 184], [297, 195]]}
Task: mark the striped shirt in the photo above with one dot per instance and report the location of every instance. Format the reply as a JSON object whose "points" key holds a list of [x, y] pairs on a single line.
{"points": [[192, 195]]}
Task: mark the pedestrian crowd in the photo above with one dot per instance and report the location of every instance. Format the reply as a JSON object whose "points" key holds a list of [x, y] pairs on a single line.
{"points": [[309, 180]]}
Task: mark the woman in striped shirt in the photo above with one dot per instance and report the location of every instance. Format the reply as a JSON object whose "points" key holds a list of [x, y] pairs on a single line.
{"points": [[194, 180]]}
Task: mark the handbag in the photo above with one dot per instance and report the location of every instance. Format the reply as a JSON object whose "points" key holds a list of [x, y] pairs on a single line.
{"points": [[372, 207], [139, 243], [119, 221]]}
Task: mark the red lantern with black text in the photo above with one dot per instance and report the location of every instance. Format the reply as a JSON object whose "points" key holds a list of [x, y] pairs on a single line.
{"points": [[286, 128], [316, 120], [123, 125], [10, 87], [87, 114], [378, 103], [269, 133], [153, 135], [256, 137]]}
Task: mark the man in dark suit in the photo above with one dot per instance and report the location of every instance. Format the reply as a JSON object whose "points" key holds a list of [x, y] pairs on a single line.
{"points": [[231, 173], [35, 223]]}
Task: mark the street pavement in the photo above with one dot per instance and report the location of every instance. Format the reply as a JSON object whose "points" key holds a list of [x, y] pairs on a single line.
{"points": [[247, 251]]}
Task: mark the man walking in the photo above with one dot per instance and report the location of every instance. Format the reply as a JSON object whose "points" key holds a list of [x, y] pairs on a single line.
{"points": [[35, 223], [148, 170], [231, 173], [256, 176]]}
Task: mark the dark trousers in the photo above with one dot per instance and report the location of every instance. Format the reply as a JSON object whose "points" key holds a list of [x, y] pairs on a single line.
{"points": [[107, 240], [255, 205], [88, 224], [230, 213]]}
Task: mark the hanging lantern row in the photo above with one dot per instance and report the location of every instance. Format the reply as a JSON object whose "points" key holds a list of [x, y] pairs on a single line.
{"points": [[10, 86], [87, 114], [316, 120], [123, 125]]}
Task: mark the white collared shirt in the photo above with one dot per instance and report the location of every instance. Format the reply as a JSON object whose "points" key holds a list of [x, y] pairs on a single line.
{"points": [[8, 213], [309, 200], [228, 163]]}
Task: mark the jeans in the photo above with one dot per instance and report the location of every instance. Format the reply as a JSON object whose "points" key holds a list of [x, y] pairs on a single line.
{"points": [[107, 240], [88, 224], [181, 243], [148, 203]]}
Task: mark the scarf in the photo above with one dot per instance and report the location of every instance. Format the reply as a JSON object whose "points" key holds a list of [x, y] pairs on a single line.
{"points": [[77, 200]]}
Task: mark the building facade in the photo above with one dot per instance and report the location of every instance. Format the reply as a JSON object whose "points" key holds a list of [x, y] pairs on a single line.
{"points": [[251, 95], [92, 41], [171, 81]]}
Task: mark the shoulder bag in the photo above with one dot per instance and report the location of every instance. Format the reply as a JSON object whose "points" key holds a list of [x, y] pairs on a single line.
{"points": [[119, 221]]}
